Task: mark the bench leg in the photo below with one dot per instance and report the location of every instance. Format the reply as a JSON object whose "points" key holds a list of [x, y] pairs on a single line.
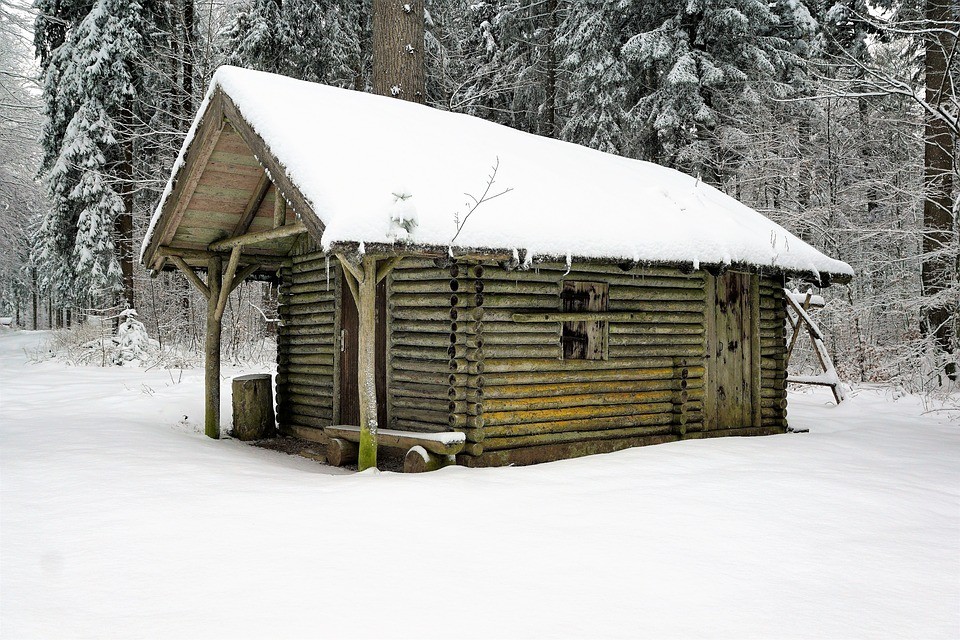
{"points": [[419, 460], [341, 452]]}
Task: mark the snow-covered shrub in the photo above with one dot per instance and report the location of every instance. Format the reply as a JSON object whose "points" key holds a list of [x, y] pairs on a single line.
{"points": [[132, 344], [92, 342]]}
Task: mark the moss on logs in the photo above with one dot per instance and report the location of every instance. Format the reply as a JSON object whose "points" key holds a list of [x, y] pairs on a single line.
{"points": [[324, 357], [310, 369], [438, 404], [290, 417], [679, 350], [419, 460], [654, 340], [578, 405], [419, 390], [320, 392], [542, 389], [417, 425], [496, 374], [512, 442], [522, 420], [291, 330], [291, 344], [321, 380]]}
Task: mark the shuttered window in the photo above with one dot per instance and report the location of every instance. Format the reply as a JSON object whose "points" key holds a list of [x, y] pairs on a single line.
{"points": [[584, 339]]}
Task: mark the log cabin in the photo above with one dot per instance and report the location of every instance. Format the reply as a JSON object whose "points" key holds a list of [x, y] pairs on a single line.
{"points": [[473, 293]]}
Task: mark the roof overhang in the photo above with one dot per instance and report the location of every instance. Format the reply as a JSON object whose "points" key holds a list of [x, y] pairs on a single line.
{"points": [[220, 117]]}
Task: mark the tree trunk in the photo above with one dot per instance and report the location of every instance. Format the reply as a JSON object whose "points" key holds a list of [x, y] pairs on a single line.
{"points": [[33, 281], [550, 106], [937, 266], [398, 49], [253, 417], [124, 223]]}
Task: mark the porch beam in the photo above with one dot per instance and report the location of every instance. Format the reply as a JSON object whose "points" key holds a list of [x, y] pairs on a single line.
{"points": [[258, 237]]}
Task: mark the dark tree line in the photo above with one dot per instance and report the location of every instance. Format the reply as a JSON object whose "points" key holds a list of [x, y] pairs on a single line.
{"points": [[836, 118]]}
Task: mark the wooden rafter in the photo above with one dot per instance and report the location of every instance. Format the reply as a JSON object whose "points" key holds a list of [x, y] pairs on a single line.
{"points": [[191, 275], [252, 206]]}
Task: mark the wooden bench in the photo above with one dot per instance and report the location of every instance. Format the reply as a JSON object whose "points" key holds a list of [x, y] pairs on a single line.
{"points": [[425, 451]]}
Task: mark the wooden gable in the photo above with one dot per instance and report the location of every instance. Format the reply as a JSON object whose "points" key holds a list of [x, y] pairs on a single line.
{"points": [[227, 186]]}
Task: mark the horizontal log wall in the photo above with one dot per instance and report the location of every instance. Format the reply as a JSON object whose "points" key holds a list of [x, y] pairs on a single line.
{"points": [[306, 345], [773, 353], [420, 349], [530, 405]]}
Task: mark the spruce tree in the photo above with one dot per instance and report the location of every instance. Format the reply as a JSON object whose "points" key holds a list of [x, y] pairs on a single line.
{"points": [[90, 86], [591, 37], [691, 61]]}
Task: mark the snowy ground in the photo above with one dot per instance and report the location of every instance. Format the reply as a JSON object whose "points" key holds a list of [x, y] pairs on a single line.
{"points": [[118, 519]]}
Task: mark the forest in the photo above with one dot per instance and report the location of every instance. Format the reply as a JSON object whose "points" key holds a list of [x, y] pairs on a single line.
{"points": [[837, 119]]}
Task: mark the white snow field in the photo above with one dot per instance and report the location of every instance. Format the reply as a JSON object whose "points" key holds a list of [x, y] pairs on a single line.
{"points": [[118, 519]]}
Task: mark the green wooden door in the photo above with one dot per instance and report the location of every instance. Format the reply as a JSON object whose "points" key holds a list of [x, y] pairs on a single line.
{"points": [[732, 352]]}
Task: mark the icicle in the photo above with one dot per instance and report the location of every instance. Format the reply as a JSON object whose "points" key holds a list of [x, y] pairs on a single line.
{"points": [[328, 272], [569, 263]]}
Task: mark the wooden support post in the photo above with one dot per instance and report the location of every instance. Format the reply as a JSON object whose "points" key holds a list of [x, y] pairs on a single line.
{"points": [[212, 350], [227, 281], [362, 280], [367, 364], [279, 209]]}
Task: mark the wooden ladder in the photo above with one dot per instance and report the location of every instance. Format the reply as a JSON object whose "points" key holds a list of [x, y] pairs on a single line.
{"points": [[801, 305]]}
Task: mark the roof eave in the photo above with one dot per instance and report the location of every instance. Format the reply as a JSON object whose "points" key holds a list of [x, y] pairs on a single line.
{"points": [[518, 258]]}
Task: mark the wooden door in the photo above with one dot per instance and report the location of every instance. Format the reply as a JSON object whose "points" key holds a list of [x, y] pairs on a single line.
{"points": [[732, 356], [350, 350]]}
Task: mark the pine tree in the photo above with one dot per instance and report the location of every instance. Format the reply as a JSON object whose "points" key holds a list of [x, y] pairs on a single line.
{"points": [[91, 82], [599, 80], [692, 61]]}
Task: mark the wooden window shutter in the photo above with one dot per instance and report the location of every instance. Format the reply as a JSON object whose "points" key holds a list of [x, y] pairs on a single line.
{"points": [[584, 339]]}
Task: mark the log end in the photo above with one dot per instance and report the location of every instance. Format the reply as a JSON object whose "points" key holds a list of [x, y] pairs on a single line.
{"points": [[419, 460]]}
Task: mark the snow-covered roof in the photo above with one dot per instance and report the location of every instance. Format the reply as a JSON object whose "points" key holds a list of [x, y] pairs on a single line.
{"points": [[368, 164]]}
